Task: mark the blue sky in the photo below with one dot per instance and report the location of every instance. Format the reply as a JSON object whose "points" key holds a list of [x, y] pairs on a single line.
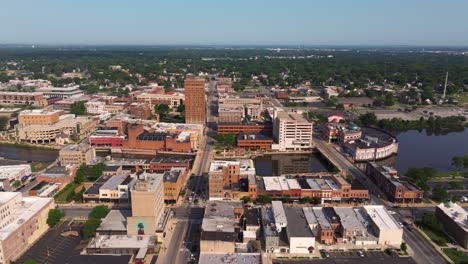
{"points": [[224, 22]]}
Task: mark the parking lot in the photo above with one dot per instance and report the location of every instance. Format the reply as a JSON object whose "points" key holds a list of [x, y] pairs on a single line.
{"points": [[356, 254], [62, 244]]}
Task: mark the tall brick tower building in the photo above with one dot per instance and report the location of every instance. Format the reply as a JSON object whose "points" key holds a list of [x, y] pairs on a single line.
{"points": [[195, 102]]}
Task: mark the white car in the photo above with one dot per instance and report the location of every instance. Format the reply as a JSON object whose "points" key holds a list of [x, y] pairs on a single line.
{"points": [[391, 212]]}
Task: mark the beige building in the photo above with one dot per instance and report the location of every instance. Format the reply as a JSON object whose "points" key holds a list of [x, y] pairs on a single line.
{"points": [[38, 117], [77, 155], [231, 114], [225, 178], [292, 132], [23, 222], [172, 100], [252, 107], [75, 127], [195, 103], [147, 205]]}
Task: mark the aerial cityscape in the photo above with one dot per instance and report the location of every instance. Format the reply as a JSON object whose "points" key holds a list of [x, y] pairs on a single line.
{"points": [[216, 141]]}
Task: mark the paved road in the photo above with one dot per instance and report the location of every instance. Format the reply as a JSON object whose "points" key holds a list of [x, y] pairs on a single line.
{"points": [[184, 238]]}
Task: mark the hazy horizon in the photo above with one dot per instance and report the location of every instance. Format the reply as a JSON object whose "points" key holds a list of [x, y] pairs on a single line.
{"points": [[421, 23]]}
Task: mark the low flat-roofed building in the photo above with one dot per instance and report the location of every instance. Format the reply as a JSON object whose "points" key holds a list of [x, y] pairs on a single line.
{"points": [[454, 218], [222, 258], [15, 172], [115, 223], [384, 225], [301, 238], [122, 245], [77, 154], [162, 164], [254, 141], [173, 183], [117, 188], [352, 227], [23, 222], [218, 231], [44, 189], [22, 98], [279, 214], [57, 174]]}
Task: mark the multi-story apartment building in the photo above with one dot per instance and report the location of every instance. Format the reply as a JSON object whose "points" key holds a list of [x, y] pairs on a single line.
{"points": [[397, 191], [77, 154], [226, 178], [292, 132], [38, 117], [147, 205], [174, 180], [20, 98], [195, 102], [23, 222]]}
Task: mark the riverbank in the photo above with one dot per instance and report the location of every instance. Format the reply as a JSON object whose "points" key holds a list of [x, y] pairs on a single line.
{"points": [[27, 145]]}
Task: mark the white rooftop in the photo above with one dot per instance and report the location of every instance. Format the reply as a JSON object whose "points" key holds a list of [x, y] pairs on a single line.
{"points": [[456, 212], [223, 258], [246, 165], [122, 241], [348, 218], [381, 217], [22, 212], [279, 214]]}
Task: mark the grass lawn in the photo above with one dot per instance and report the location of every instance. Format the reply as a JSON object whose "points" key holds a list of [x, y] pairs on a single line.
{"points": [[437, 238], [61, 196], [38, 166], [455, 255]]}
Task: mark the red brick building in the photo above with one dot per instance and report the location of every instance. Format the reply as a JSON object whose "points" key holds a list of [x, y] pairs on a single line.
{"points": [[254, 141], [252, 128]]}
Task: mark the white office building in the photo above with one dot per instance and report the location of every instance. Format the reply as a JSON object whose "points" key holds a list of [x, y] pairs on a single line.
{"points": [[292, 132]]}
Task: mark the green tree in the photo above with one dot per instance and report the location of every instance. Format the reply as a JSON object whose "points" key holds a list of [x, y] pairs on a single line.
{"points": [[78, 108], [340, 107], [439, 193], [16, 184], [455, 198], [99, 212], [403, 247], [458, 162], [3, 123], [246, 199], [30, 261], [264, 199], [89, 228], [368, 119], [161, 109], [54, 217]]}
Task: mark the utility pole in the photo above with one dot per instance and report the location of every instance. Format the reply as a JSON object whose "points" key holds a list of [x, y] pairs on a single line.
{"points": [[445, 87]]}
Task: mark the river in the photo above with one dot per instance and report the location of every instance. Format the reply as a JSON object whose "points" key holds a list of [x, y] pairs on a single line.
{"points": [[12, 155], [418, 149]]}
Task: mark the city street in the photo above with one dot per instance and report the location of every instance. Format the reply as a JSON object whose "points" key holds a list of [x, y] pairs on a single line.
{"points": [[184, 237]]}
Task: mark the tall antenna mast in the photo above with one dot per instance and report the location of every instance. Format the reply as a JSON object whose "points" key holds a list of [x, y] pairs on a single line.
{"points": [[445, 87]]}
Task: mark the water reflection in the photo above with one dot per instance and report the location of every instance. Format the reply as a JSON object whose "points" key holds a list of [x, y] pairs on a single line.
{"points": [[275, 165]]}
